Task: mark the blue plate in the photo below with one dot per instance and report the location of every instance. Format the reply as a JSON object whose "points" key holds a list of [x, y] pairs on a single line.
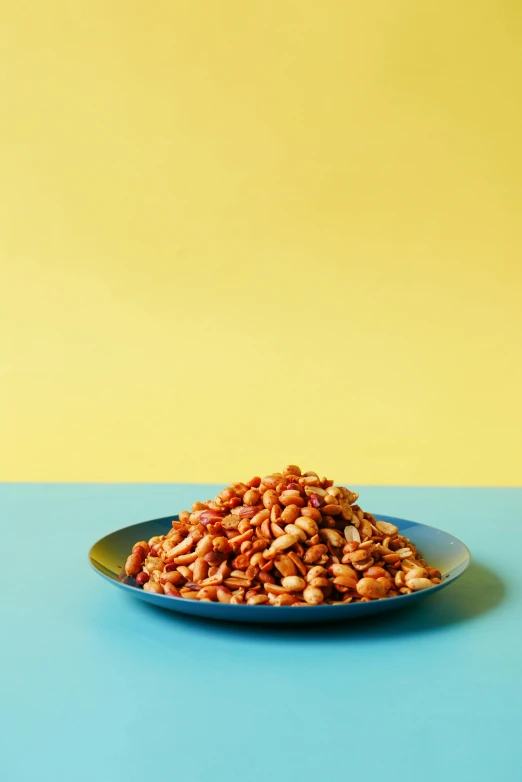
{"points": [[440, 549]]}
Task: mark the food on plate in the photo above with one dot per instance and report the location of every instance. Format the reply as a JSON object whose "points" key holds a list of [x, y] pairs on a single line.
{"points": [[289, 539]]}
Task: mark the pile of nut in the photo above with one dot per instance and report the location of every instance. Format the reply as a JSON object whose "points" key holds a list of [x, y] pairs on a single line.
{"points": [[289, 539]]}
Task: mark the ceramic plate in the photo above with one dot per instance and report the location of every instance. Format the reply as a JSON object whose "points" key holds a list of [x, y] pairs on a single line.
{"points": [[440, 549]]}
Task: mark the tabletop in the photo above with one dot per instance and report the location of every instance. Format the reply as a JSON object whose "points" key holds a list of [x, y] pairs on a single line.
{"points": [[97, 685]]}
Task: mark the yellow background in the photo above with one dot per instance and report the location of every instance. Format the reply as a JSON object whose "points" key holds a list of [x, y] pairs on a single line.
{"points": [[240, 233]]}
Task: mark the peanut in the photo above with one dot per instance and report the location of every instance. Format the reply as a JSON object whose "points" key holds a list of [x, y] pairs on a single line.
{"points": [[369, 587], [313, 595], [291, 513], [316, 572], [386, 528], [314, 553], [282, 543], [285, 565], [270, 499], [257, 600], [307, 525], [292, 529], [312, 513], [153, 586], [133, 565], [416, 584], [293, 583]]}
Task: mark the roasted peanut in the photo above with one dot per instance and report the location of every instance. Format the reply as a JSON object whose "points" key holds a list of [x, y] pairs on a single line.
{"points": [[314, 553], [415, 572], [370, 587], [133, 565], [319, 582], [200, 570], [270, 499], [257, 600], [276, 530], [356, 556], [292, 529], [416, 584], [282, 543], [363, 564], [173, 577], [313, 595], [260, 517], [275, 513], [292, 498], [352, 534], [223, 594], [316, 572], [375, 572], [293, 583], [141, 548], [251, 497], [285, 565], [307, 525], [386, 528], [153, 563], [333, 537], [284, 600], [290, 514], [155, 586]]}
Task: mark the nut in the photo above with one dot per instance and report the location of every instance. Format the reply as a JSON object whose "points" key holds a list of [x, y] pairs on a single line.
{"points": [[342, 570], [346, 581], [133, 565], [251, 497], [153, 586], [260, 517], [331, 510], [293, 529], [363, 564], [313, 595], [293, 583], [415, 572], [257, 600], [314, 553], [333, 537], [181, 548], [284, 600], [142, 578], [386, 528], [351, 534], [319, 582], [270, 499], [223, 594], [316, 572], [307, 525], [356, 556], [282, 543], [291, 513], [285, 565], [312, 513], [369, 587], [416, 584]]}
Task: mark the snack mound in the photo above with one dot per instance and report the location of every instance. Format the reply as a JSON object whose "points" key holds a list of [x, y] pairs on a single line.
{"points": [[287, 539]]}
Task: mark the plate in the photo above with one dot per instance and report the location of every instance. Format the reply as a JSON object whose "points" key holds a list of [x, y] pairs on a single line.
{"points": [[440, 549]]}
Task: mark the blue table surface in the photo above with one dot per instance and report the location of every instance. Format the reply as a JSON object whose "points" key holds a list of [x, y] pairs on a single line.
{"points": [[97, 685]]}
